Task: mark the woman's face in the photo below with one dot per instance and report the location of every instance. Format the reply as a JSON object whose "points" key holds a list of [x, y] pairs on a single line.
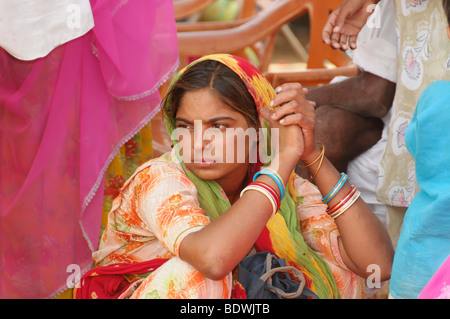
{"points": [[214, 139]]}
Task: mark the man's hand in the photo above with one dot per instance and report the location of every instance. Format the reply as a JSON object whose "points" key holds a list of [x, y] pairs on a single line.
{"points": [[344, 24]]}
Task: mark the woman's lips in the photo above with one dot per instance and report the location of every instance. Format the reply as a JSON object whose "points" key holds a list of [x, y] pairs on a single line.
{"points": [[204, 163]]}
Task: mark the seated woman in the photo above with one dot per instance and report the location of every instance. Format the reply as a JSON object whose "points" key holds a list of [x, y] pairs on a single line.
{"points": [[184, 221]]}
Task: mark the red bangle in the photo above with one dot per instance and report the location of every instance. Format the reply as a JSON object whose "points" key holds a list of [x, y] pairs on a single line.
{"points": [[343, 201], [271, 191]]}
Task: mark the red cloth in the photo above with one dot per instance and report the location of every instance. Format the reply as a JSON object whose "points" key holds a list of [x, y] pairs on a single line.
{"points": [[238, 291], [109, 282]]}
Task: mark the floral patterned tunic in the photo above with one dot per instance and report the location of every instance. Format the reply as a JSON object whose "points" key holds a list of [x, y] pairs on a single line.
{"points": [[423, 57], [158, 207]]}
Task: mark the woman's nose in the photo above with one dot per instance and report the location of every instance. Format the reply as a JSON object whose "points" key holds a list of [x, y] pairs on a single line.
{"points": [[198, 136]]}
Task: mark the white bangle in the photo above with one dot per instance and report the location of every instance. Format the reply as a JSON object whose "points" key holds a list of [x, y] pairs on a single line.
{"points": [[264, 192], [346, 206]]}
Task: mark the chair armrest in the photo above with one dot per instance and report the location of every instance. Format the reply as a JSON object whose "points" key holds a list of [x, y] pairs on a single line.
{"points": [[311, 77]]}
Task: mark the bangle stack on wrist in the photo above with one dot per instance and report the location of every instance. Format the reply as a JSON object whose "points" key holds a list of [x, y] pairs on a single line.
{"points": [[275, 176], [268, 190], [349, 199]]}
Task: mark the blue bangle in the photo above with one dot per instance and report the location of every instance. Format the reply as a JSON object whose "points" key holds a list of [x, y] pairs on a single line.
{"points": [[335, 189], [276, 178]]}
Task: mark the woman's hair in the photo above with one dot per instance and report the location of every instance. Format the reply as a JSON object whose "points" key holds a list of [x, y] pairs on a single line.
{"points": [[446, 4], [222, 81]]}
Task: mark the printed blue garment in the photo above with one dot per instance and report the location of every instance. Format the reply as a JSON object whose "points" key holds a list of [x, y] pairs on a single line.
{"points": [[424, 242]]}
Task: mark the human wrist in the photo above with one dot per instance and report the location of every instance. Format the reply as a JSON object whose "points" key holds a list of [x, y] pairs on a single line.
{"points": [[314, 160], [313, 156], [275, 177], [284, 163]]}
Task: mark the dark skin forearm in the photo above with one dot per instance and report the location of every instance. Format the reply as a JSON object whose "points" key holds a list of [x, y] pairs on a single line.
{"points": [[348, 115], [366, 94]]}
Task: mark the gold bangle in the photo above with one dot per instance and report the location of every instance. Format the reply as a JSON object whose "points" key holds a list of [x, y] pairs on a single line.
{"points": [[318, 157], [320, 164]]}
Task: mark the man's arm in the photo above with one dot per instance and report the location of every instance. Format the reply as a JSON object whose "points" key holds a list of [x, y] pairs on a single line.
{"points": [[348, 115], [366, 94]]}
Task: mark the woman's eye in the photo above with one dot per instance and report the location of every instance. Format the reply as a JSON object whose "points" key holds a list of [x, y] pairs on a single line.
{"points": [[219, 126], [182, 125]]}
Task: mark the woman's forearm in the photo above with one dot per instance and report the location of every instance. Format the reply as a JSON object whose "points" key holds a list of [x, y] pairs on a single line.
{"points": [[218, 248], [363, 239]]}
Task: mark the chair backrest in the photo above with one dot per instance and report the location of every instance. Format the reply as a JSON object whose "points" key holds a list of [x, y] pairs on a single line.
{"points": [[253, 26], [234, 36]]}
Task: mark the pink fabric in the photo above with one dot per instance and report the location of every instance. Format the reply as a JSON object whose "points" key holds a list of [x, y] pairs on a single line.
{"points": [[439, 285], [62, 120]]}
